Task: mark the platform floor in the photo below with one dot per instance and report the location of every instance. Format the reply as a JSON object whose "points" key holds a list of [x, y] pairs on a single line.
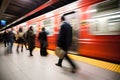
{"points": [[14, 66]]}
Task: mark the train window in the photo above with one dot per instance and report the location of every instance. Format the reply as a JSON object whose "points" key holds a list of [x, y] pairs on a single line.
{"points": [[114, 24], [48, 24], [106, 5], [106, 19]]}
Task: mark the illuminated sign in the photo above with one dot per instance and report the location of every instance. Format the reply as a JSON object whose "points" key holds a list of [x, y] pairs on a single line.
{"points": [[3, 22]]}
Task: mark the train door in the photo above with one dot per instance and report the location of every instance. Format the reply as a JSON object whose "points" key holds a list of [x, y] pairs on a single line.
{"points": [[73, 19]]}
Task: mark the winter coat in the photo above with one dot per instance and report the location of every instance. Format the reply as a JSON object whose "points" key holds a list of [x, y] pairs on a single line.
{"points": [[65, 36], [30, 36]]}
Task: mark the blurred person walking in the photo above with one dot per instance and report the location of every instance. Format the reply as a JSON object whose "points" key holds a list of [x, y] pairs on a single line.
{"points": [[43, 42], [30, 36], [11, 39], [64, 42], [20, 39], [5, 38]]}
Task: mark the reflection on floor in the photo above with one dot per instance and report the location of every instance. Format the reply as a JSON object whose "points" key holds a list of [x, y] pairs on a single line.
{"points": [[14, 66]]}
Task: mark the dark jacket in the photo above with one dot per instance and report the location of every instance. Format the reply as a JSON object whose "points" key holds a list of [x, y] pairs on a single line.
{"points": [[30, 39], [11, 36], [65, 36], [6, 36], [43, 38]]}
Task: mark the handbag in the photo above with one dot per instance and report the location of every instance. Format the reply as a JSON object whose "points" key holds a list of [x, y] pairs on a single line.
{"points": [[60, 52]]}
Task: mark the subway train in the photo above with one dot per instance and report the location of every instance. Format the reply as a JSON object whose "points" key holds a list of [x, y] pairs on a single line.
{"points": [[95, 24]]}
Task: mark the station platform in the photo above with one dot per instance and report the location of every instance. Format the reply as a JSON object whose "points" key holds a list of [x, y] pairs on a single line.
{"points": [[14, 66]]}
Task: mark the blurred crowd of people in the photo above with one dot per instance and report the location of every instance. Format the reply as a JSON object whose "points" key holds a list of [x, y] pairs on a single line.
{"points": [[27, 39]]}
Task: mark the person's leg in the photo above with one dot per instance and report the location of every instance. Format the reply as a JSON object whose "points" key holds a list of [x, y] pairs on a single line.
{"points": [[5, 43], [59, 62], [21, 47], [11, 45], [31, 52], [71, 63], [8, 47], [42, 50], [17, 48], [46, 53], [26, 46]]}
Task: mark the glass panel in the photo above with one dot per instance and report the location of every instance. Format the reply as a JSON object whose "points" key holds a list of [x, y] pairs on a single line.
{"points": [[106, 19], [48, 24]]}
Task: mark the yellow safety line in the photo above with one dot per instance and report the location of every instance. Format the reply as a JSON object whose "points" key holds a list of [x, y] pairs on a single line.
{"points": [[106, 65], [102, 64]]}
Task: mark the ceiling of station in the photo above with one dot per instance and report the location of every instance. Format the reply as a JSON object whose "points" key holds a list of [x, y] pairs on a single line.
{"points": [[12, 10]]}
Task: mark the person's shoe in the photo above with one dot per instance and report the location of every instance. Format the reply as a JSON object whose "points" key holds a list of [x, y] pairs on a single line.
{"points": [[31, 55], [58, 65], [74, 70]]}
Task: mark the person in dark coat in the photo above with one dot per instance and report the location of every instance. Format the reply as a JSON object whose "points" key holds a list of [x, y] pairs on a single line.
{"points": [[43, 42], [25, 40], [5, 38], [65, 41], [30, 36]]}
